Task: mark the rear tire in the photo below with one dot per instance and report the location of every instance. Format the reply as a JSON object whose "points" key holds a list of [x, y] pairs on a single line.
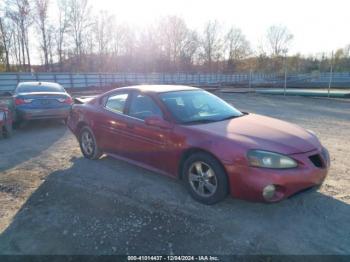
{"points": [[7, 132], [88, 145], [205, 178]]}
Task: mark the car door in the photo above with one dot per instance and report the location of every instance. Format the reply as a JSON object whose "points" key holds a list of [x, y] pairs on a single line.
{"points": [[146, 144], [111, 122]]}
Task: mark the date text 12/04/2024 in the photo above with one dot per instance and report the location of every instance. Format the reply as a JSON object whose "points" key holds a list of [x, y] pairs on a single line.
{"points": [[173, 258]]}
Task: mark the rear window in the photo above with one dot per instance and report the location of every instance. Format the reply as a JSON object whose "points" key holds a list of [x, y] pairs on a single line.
{"points": [[117, 102], [39, 88]]}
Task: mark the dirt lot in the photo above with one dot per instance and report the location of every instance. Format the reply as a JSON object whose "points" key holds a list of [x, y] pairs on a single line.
{"points": [[53, 201]]}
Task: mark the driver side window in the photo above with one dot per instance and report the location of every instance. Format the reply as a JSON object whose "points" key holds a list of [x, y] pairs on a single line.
{"points": [[143, 106]]}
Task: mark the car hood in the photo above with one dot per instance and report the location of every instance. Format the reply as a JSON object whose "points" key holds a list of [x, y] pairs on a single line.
{"points": [[265, 133]]}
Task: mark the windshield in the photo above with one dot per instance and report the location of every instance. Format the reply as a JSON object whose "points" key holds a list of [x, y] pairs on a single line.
{"points": [[39, 88], [198, 106]]}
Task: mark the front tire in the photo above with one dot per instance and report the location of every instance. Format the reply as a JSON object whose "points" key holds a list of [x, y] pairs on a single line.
{"points": [[88, 145], [205, 178]]}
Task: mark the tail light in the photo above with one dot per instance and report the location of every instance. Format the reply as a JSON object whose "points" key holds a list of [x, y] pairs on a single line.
{"points": [[67, 100], [21, 101]]}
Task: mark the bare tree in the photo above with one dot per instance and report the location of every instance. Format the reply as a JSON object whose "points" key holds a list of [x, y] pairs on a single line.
{"points": [[278, 40], [129, 40], [81, 42], [173, 33], [236, 44], [14, 43], [41, 18], [20, 13], [190, 49], [60, 29], [5, 43], [148, 49], [211, 43], [117, 39], [51, 44], [79, 21], [102, 31]]}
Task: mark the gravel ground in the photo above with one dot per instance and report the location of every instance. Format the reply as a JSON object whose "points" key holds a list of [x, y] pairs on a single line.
{"points": [[53, 201]]}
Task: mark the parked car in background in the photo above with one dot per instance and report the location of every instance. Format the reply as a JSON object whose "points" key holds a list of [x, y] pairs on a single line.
{"points": [[5, 122], [191, 134], [41, 100]]}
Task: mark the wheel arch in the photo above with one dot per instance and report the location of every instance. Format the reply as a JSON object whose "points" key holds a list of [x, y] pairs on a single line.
{"points": [[190, 151], [80, 125]]}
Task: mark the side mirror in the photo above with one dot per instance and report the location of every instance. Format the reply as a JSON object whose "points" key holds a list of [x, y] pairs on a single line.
{"points": [[157, 121]]}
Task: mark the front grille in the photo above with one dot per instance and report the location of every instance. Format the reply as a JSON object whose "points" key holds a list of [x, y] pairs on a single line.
{"points": [[317, 160]]}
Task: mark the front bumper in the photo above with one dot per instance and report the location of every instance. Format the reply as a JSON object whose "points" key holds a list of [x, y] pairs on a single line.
{"points": [[50, 113], [249, 182]]}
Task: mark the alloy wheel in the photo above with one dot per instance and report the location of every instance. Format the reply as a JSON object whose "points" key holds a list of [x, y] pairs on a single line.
{"points": [[202, 179], [87, 142]]}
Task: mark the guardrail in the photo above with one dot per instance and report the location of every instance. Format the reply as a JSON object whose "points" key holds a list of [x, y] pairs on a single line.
{"points": [[9, 81]]}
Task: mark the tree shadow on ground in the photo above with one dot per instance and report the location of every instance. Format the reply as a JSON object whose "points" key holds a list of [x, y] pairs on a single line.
{"points": [[111, 207], [29, 141]]}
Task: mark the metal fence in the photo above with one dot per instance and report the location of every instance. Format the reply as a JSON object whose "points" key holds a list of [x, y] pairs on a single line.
{"points": [[9, 81]]}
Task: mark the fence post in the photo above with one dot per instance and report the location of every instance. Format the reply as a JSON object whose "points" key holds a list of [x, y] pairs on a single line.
{"points": [[250, 81], [285, 75], [71, 80], [330, 77], [285, 82], [86, 82], [113, 79]]}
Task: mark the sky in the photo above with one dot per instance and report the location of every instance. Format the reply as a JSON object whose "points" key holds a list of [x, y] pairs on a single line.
{"points": [[317, 25]]}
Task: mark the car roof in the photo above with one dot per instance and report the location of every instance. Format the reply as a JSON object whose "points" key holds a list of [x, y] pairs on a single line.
{"points": [[159, 88], [49, 84]]}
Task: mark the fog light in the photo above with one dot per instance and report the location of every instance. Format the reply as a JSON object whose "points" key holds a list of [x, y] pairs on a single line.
{"points": [[269, 192]]}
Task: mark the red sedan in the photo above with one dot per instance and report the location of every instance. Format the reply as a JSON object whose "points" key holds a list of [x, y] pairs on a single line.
{"points": [[191, 134]]}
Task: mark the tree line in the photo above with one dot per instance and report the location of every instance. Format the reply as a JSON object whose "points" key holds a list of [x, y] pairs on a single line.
{"points": [[76, 39]]}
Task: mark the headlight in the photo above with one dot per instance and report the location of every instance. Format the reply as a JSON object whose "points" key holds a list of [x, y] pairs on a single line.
{"points": [[259, 158]]}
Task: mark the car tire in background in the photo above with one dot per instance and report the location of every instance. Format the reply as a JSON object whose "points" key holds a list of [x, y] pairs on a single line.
{"points": [[205, 178], [88, 145], [7, 130]]}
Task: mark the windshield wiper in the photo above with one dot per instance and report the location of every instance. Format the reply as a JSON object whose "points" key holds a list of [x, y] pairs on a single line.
{"points": [[230, 117], [200, 121], [205, 121]]}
